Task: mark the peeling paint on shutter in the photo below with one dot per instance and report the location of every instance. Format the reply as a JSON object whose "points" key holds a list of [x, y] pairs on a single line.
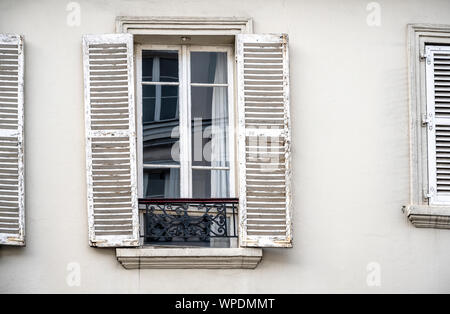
{"points": [[438, 123], [264, 140], [12, 190], [110, 140]]}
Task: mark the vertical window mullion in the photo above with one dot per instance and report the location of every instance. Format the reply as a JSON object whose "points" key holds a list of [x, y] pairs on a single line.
{"points": [[187, 55], [231, 122], [158, 88], [185, 125]]}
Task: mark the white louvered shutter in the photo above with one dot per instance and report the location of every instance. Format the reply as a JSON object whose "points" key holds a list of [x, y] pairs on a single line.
{"points": [[110, 140], [12, 190], [438, 123], [264, 140]]}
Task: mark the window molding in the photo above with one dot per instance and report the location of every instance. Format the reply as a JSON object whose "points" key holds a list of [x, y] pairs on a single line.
{"points": [[424, 216], [200, 258], [160, 257], [419, 212], [185, 166], [140, 25]]}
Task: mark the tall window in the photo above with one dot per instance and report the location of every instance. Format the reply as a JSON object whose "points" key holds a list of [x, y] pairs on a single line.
{"points": [[186, 105]]}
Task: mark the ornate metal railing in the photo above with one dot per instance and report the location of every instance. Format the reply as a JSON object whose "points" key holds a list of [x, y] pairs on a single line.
{"points": [[193, 221]]}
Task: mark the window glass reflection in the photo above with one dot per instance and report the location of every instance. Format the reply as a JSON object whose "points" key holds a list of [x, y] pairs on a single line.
{"points": [[209, 67], [159, 66], [162, 183]]}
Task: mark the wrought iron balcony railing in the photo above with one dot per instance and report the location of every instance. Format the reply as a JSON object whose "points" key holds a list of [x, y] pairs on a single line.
{"points": [[204, 222]]}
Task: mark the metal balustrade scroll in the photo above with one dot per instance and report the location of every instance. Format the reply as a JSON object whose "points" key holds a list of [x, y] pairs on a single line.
{"points": [[181, 221]]}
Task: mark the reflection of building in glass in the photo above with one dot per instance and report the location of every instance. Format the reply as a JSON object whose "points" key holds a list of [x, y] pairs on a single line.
{"points": [[207, 109]]}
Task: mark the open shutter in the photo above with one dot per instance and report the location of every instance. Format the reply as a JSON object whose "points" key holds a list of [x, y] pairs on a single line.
{"points": [[438, 123], [12, 190], [12, 207], [110, 140], [264, 140]]}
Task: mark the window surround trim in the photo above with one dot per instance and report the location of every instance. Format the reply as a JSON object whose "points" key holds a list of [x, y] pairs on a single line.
{"points": [[419, 211], [155, 25], [189, 26], [184, 84], [189, 258]]}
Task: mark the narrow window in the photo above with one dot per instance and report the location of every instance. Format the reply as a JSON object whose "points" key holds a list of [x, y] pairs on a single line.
{"points": [[186, 150], [160, 123], [185, 131]]}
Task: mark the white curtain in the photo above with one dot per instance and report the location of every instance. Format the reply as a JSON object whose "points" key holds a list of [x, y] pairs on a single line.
{"points": [[172, 184], [146, 177], [219, 141]]}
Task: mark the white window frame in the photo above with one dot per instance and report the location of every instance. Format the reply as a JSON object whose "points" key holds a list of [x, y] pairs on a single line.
{"points": [[422, 210], [185, 165], [218, 28]]}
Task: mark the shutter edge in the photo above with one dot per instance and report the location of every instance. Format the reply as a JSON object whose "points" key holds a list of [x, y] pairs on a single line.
{"points": [[244, 239], [111, 240], [19, 238]]}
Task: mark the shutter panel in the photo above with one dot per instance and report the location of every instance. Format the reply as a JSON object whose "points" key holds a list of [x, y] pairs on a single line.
{"points": [[110, 140], [264, 140], [438, 123], [12, 205]]}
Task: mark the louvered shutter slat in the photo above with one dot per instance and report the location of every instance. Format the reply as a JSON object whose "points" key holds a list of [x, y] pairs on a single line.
{"points": [[12, 190], [264, 140], [110, 140]]}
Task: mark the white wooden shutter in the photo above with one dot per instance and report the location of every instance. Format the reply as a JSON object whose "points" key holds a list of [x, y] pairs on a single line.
{"points": [[12, 190], [110, 140], [264, 140], [437, 121]]}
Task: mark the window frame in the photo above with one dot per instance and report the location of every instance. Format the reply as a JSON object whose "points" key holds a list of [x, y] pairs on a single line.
{"points": [[184, 74], [218, 258], [430, 122], [421, 211]]}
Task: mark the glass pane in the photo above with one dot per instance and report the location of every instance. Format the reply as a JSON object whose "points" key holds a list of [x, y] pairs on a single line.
{"points": [[160, 124], [148, 103], [160, 102], [209, 67], [162, 183], [159, 66], [210, 183], [209, 114]]}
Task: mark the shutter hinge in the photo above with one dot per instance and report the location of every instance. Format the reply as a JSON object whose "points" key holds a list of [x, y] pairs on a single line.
{"points": [[426, 57], [422, 56], [427, 120], [427, 194]]}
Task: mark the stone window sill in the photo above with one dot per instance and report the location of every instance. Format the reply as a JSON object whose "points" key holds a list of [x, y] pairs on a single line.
{"points": [[425, 216], [206, 258]]}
